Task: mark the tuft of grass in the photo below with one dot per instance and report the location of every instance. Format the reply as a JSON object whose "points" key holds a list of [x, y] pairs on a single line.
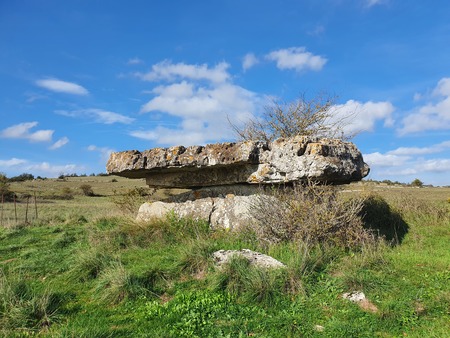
{"points": [[89, 263], [250, 283], [27, 308], [114, 284]]}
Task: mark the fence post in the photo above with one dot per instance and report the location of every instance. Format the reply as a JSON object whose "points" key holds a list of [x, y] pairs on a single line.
{"points": [[15, 208], [1, 223], [35, 205], [26, 210]]}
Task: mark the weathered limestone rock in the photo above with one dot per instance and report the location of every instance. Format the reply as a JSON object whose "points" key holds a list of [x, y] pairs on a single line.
{"points": [[230, 212], [222, 257], [281, 161]]}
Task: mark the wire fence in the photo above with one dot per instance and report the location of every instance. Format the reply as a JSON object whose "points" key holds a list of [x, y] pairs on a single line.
{"points": [[17, 211]]}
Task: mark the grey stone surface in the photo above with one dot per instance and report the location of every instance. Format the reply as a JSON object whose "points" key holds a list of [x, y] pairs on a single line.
{"points": [[222, 257], [229, 212], [281, 161]]}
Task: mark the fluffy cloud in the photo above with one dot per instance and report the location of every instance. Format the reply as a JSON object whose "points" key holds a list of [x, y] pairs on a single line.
{"points": [[60, 143], [199, 101], [167, 71], [296, 58], [421, 150], [204, 112], [59, 86], [45, 169], [12, 162], [358, 117], [104, 151], [407, 163], [50, 170], [385, 160], [99, 115], [249, 61], [432, 116], [22, 131]]}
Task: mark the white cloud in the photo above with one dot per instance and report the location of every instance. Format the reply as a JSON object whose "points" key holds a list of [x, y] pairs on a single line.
{"points": [[168, 71], [59, 86], [50, 170], [433, 115], [360, 117], [249, 61], [135, 61], [22, 131], [99, 115], [18, 166], [105, 152], [437, 148], [385, 160], [12, 162], [60, 143], [203, 111], [296, 58], [406, 163]]}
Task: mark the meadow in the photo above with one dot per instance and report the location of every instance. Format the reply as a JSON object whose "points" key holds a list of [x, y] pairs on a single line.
{"points": [[85, 268]]}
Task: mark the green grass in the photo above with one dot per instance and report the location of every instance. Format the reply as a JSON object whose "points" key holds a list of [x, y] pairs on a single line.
{"points": [[80, 272]]}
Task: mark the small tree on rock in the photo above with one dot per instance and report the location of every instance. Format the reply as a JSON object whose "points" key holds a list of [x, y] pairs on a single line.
{"points": [[309, 117]]}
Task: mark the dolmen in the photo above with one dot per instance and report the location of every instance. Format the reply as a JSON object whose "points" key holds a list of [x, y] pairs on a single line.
{"points": [[225, 178]]}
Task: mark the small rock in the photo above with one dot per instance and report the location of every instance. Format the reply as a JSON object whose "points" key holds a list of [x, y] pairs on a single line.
{"points": [[319, 328], [222, 257], [355, 296], [360, 298]]}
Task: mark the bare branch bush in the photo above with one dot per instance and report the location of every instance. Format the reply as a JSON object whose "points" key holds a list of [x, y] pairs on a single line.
{"points": [[311, 213], [308, 117]]}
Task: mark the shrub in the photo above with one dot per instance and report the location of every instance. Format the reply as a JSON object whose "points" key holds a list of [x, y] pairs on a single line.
{"points": [[5, 193], [22, 178], [129, 202], [87, 190], [311, 213]]}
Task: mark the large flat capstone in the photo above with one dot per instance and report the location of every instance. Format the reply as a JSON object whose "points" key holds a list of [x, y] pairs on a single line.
{"points": [[284, 160]]}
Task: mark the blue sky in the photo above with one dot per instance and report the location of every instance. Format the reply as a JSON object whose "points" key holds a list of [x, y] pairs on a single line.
{"points": [[80, 79]]}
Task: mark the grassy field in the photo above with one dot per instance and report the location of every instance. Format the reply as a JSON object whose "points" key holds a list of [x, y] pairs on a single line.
{"points": [[85, 268]]}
